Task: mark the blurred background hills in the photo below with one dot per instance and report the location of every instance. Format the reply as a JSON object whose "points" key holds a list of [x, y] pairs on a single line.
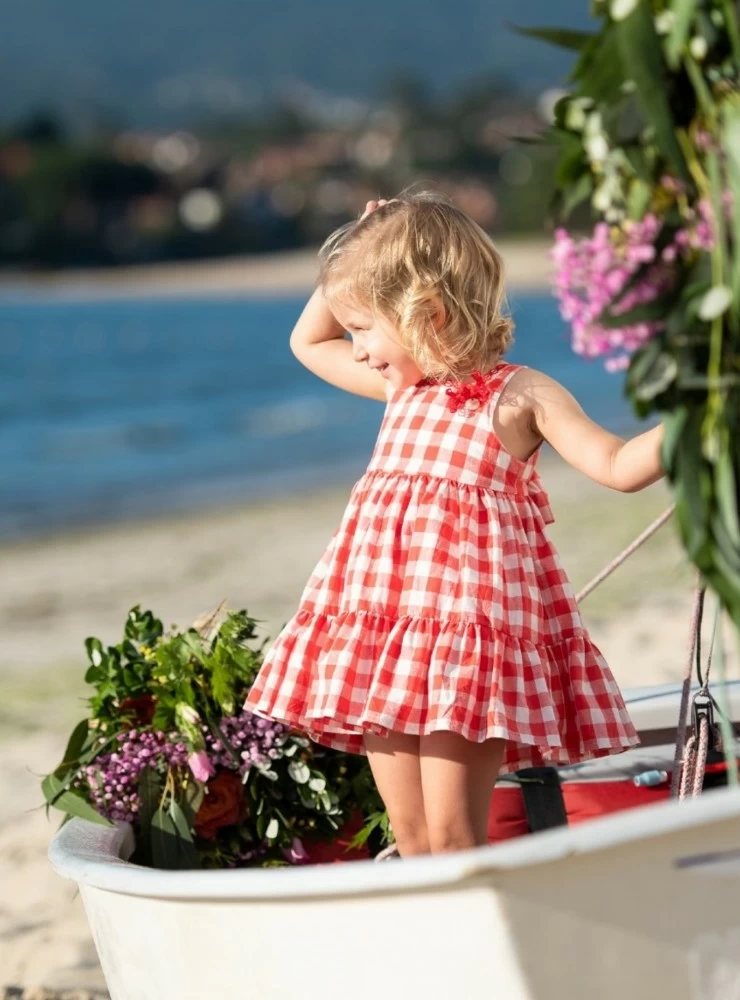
{"points": [[161, 131], [171, 62]]}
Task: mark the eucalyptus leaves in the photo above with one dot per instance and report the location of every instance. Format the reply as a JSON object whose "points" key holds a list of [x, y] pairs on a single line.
{"points": [[649, 139]]}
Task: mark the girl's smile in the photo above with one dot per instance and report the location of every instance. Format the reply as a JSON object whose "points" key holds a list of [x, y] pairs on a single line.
{"points": [[375, 343]]}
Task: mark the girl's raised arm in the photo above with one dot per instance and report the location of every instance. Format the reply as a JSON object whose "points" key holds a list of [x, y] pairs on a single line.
{"points": [[319, 343], [627, 466]]}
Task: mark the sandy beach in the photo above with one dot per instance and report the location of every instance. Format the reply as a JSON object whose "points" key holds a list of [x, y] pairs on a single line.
{"points": [[56, 591], [286, 273]]}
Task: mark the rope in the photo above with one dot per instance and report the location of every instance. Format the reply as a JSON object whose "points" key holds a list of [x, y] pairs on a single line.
{"points": [[704, 681], [690, 758], [688, 768], [701, 757], [615, 563], [696, 613], [694, 762]]}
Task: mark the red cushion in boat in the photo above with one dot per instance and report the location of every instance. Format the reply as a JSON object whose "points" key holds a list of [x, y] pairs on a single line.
{"points": [[583, 800], [507, 817], [322, 853]]}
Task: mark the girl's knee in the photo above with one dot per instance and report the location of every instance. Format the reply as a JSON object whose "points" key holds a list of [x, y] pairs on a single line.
{"points": [[394, 761], [458, 778], [412, 839], [450, 836]]}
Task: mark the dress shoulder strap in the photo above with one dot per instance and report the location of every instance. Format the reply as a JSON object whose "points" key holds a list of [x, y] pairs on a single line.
{"points": [[499, 378], [503, 372]]}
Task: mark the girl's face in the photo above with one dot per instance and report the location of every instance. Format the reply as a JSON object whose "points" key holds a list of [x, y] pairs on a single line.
{"points": [[375, 343]]}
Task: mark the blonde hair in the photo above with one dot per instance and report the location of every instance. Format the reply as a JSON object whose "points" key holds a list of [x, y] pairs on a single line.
{"points": [[404, 257]]}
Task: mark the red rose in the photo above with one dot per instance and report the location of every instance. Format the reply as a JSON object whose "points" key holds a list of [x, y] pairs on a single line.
{"points": [[142, 706], [223, 805]]}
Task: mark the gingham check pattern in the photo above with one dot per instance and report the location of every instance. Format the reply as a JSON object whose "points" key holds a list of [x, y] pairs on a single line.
{"points": [[440, 603]]}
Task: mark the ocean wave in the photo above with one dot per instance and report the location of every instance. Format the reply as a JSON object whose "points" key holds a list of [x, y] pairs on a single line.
{"points": [[287, 417]]}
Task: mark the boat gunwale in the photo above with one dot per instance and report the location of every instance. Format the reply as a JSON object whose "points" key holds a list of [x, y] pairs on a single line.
{"points": [[89, 854]]}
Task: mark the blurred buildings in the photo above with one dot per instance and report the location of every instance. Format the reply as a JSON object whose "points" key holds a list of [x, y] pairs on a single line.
{"points": [[254, 185]]}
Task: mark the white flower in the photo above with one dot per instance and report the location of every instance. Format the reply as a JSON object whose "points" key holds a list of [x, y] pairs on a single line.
{"points": [[715, 302], [593, 124], [664, 22], [186, 713], [602, 198], [575, 115], [607, 193], [594, 140], [622, 8], [597, 148], [299, 772], [698, 47], [272, 829]]}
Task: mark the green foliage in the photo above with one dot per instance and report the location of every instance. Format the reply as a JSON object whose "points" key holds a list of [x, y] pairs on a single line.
{"points": [[57, 794], [683, 11], [564, 37], [186, 683], [659, 87], [642, 62]]}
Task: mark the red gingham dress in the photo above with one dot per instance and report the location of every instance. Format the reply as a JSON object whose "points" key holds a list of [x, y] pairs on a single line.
{"points": [[441, 604]]}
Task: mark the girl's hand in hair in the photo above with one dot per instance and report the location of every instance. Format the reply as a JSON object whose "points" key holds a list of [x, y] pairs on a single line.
{"points": [[372, 205]]}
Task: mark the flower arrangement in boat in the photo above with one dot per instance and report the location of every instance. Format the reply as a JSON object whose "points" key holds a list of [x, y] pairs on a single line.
{"points": [[204, 784], [649, 154]]}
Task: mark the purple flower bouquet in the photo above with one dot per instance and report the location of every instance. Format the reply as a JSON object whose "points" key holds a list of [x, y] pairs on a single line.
{"points": [[204, 784]]}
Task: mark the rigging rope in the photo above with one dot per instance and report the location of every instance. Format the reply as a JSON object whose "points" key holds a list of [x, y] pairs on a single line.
{"points": [[694, 638], [616, 563]]}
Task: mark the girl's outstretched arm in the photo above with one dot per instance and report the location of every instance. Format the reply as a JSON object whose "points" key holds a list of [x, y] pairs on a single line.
{"points": [[319, 343], [627, 466]]}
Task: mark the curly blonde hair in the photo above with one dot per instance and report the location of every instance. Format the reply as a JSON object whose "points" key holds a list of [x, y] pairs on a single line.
{"points": [[407, 256]]}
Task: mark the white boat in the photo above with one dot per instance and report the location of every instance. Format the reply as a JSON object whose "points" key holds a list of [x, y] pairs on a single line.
{"points": [[624, 906]]}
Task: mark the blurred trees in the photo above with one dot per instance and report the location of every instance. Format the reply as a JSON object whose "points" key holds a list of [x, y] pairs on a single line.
{"points": [[282, 180]]}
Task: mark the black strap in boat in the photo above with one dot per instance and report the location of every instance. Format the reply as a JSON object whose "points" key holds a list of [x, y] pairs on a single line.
{"points": [[543, 798]]}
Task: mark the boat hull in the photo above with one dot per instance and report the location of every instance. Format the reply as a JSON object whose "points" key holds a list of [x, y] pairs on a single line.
{"points": [[612, 907]]}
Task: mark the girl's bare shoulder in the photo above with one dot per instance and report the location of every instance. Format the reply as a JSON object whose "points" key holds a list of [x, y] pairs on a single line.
{"points": [[528, 390], [515, 415], [530, 404]]}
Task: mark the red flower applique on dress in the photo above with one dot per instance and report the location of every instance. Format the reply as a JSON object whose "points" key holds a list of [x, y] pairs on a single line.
{"points": [[469, 395]]}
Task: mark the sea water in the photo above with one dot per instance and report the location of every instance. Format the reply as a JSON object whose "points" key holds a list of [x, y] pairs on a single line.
{"points": [[117, 408]]}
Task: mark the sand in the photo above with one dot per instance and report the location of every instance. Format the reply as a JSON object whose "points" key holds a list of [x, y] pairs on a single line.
{"points": [[56, 591], [284, 273]]}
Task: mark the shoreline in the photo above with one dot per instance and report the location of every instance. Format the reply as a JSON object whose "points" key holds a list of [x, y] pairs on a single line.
{"points": [[284, 273]]}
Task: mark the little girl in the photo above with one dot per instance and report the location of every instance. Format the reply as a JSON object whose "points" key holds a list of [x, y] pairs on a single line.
{"points": [[439, 634]]}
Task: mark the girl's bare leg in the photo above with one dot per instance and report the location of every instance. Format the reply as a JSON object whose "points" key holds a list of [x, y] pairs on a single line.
{"points": [[394, 762], [457, 780]]}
